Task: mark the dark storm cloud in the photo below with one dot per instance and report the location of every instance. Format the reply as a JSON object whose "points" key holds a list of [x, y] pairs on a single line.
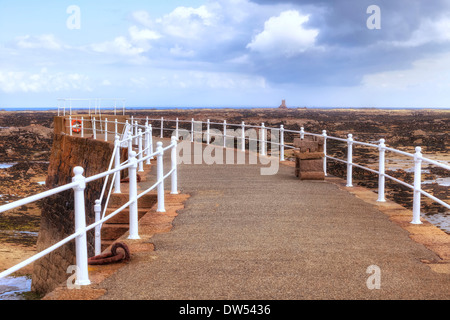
{"points": [[343, 22], [351, 49]]}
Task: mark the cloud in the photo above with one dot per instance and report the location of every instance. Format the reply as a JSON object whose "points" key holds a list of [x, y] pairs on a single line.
{"points": [[137, 42], [120, 45], [432, 72], [138, 35], [285, 35], [43, 81], [212, 32], [197, 80], [187, 22], [177, 51], [429, 31], [142, 17], [45, 41]]}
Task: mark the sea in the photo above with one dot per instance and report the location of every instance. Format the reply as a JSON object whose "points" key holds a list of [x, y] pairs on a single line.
{"points": [[216, 107]]}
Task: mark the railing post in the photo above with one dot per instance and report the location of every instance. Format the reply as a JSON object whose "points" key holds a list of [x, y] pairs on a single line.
{"points": [[192, 130], [136, 137], [117, 164], [150, 141], [70, 125], [200, 134], [176, 128], [80, 226], [115, 126], [324, 134], [106, 129], [173, 176], [141, 163], [98, 228], [130, 140], [349, 160], [159, 177], [281, 143], [243, 136], [381, 171], [94, 131], [132, 125], [162, 127], [133, 233], [302, 133], [262, 142], [417, 185], [82, 127], [224, 133], [146, 145], [207, 131]]}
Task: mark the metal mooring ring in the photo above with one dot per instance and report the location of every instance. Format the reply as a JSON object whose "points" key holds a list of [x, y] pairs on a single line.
{"points": [[113, 256]]}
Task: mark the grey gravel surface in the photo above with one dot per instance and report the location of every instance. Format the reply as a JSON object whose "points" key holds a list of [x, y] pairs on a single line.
{"points": [[243, 235]]}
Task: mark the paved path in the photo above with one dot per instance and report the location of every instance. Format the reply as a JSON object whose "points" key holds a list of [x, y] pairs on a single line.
{"points": [[247, 236]]}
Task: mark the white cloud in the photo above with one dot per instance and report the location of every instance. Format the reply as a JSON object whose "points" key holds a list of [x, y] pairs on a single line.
{"points": [[43, 81], [45, 41], [132, 46], [187, 22], [429, 31], [432, 73], [138, 35], [120, 45], [284, 35], [177, 51], [143, 18], [214, 80], [243, 59]]}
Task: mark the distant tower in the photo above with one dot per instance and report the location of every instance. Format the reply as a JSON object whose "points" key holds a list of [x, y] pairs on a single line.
{"points": [[283, 104]]}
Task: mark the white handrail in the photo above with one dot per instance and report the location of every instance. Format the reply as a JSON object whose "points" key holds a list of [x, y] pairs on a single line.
{"points": [[78, 184], [61, 104], [417, 157]]}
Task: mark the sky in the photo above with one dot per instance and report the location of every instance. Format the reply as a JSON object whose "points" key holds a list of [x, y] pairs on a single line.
{"points": [[226, 53]]}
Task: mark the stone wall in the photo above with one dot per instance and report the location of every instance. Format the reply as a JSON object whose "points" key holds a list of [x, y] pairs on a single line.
{"points": [[57, 220]]}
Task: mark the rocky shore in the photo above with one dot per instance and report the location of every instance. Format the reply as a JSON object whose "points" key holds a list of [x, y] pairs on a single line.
{"points": [[26, 139], [25, 143]]}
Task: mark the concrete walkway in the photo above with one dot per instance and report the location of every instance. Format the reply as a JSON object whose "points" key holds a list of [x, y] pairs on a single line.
{"points": [[247, 236]]}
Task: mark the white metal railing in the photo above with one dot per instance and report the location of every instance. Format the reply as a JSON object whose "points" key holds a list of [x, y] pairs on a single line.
{"points": [[417, 157], [135, 133], [78, 184], [92, 105]]}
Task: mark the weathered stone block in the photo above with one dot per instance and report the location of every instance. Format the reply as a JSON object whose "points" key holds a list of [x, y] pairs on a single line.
{"points": [[57, 214], [309, 159]]}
